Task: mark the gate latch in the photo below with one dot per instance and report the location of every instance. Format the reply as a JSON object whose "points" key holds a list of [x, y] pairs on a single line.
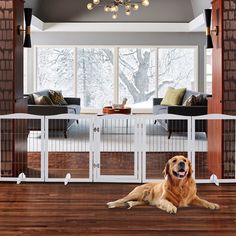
{"points": [[96, 165], [95, 129]]}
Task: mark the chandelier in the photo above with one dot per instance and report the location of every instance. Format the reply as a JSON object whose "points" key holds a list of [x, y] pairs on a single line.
{"points": [[114, 6]]}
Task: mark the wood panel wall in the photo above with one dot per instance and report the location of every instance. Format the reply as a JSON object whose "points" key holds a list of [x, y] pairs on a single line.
{"points": [[229, 88], [221, 135], [13, 146]]}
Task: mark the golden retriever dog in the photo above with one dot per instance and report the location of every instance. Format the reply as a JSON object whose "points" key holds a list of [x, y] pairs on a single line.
{"points": [[177, 190]]}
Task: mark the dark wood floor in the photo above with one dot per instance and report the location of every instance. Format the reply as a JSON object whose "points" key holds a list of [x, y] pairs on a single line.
{"points": [[79, 209]]}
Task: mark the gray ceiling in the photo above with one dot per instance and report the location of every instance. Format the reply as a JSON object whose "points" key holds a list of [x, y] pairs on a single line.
{"points": [[76, 11]]}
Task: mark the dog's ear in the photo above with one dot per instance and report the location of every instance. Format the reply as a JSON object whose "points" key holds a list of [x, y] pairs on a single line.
{"points": [[190, 170], [166, 171]]}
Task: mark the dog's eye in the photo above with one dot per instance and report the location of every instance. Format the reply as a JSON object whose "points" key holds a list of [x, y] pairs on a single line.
{"points": [[174, 161], [184, 160]]}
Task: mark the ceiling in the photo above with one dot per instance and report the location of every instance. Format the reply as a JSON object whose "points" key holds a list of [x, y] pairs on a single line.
{"points": [[76, 11]]}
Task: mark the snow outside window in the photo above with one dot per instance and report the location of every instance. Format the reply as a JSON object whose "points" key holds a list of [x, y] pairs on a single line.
{"points": [[95, 75], [137, 76], [176, 69], [104, 75], [55, 69]]}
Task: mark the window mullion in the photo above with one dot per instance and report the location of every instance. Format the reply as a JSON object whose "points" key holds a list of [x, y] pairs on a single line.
{"points": [[157, 76], [116, 75], [75, 71]]}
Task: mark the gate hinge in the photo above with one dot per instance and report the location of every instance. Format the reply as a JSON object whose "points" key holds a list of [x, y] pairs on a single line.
{"points": [[95, 129], [96, 165]]}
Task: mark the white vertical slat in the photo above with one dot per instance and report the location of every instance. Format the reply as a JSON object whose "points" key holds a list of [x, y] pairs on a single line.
{"points": [[46, 166], [193, 150], [42, 156]]}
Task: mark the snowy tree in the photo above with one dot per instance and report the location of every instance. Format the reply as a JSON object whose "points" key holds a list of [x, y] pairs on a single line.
{"points": [[95, 77], [140, 71], [175, 68], [55, 69], [136, 73]]}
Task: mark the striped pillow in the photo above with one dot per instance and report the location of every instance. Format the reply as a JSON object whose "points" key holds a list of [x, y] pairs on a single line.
{"points": [[57, 97]]}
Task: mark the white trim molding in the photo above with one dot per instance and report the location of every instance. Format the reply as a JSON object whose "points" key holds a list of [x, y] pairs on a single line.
{"points": [[196, 25]]}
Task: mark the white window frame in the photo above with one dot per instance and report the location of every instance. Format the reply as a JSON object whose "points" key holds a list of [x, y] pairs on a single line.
{"points": [[205, 70], [25, 71], [116, 68]]}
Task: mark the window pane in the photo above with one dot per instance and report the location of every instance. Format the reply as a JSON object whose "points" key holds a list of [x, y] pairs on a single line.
{"points": [[175, 69], [95, 76], [137, 73], [55, 69]]}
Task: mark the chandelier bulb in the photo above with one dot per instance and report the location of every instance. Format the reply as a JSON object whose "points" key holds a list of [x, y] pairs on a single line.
{"points": [[145, 3], [114, 16], [135, 7], [96, 2], [113, 8], [106, 8], [127, 12], [90, 6], [116, 8]]}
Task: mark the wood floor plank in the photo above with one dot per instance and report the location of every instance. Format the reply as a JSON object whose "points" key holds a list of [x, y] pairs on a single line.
{"points": [[80, 209]]}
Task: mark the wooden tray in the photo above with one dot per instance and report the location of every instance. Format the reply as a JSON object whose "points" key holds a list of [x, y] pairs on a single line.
{"points": [[110, 110]]}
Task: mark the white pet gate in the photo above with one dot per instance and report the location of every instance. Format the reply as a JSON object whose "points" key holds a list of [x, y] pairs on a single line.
{"points": [[22, 148], [115, 148]]}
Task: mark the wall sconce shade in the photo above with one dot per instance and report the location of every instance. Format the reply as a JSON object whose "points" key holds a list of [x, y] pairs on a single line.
{"points": [[27, 42], [209, 43], [209, 31], [28, 18], [27, 30], [207, 15]]}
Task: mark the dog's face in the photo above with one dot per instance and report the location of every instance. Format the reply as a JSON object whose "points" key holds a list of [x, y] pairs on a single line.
{"points": [[178, 167]]}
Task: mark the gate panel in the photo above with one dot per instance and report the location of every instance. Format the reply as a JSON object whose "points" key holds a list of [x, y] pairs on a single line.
{"points": [[214, 160], [69, 148], [22, 148], [117, 155], [164, 137]]}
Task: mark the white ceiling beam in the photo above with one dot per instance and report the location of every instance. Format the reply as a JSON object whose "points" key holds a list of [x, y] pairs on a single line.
{"points": [[37, 24], [196, 25], [116, 27]]}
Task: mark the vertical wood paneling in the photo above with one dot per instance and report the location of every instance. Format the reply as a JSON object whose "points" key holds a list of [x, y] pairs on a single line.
{"points": [[215, 128], [13, 147]]}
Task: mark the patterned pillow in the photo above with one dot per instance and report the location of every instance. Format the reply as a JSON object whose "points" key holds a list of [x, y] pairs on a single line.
{"points": [[199, 100], [191, 101], [42, 100], [57, 97]]}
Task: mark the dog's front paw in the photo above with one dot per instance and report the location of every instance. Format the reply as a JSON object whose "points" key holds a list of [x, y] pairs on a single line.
{"points": [[130, 204], [214, 206], [111, 205], [171, 209]]}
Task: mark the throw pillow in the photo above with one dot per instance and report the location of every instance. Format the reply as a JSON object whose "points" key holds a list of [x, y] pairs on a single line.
{"points": [[57, 97], [191, 101], [199, 100], [173, 96], [42, 100]]}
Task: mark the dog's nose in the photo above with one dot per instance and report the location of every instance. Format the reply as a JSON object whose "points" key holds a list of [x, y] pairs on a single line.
{"points": [[181, 165]]}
